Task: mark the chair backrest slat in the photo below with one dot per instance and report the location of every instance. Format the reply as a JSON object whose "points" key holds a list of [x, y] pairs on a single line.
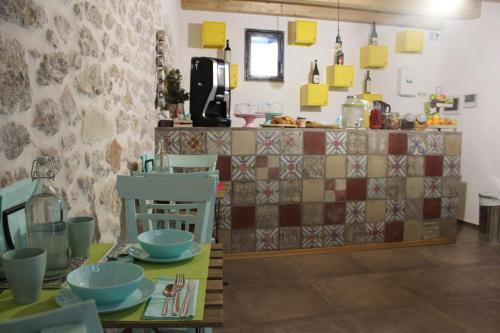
{"points": [[207, 162], [168, 189]]}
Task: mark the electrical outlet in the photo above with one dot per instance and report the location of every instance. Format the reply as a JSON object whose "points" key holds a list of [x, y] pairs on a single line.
{"points": [[434, 35]]}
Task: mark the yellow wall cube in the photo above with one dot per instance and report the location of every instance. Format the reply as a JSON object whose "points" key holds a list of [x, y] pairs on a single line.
{"points": [[233, 76], [409, 41], [340, 76], [213, 34], [370, 97], [302, 32], [314, 95], [373, 56]]}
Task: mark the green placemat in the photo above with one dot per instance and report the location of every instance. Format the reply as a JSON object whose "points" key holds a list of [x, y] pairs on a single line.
{"points": [[136, 313], [10, 310]]}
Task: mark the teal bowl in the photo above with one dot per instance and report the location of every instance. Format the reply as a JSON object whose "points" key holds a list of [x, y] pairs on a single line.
{"points": [[105, 283], [165, 243]]}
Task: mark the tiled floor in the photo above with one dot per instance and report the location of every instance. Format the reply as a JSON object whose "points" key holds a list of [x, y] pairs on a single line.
{"points": [[450, 288]]}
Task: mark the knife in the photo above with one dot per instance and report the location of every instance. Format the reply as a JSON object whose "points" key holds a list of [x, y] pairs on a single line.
{"points": [[187, 300]]}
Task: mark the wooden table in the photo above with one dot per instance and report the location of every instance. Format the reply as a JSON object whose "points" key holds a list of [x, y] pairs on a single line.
{"points": [[212, 315]]}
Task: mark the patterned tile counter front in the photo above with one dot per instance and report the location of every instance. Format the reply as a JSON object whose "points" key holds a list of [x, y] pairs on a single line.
{"points": [[305, 188]]}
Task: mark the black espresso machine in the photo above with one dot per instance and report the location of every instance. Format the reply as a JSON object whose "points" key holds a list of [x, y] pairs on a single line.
{"points": [[210, 94]]}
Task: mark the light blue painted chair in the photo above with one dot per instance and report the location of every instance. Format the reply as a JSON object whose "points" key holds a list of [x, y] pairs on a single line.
{"points": [[141, 190], [81, 317], [191, 200], [148, 161], [199, 162], [13, 198]]}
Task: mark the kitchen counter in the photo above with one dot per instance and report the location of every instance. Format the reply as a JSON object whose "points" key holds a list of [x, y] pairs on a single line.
{"points": [[296, 188]]}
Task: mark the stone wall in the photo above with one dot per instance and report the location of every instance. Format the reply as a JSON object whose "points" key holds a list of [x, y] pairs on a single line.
{"points": [[77, 82]]}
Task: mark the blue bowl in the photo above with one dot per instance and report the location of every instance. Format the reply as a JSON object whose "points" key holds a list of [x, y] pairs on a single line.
{"points": [[165, 243], [105, 283]]}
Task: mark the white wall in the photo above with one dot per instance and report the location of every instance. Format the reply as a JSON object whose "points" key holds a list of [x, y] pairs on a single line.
{"points": [[464, 60], [298, 59], [171, 11], [470, 63]]}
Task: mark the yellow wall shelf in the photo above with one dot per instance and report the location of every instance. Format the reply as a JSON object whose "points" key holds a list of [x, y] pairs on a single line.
{"points": [[373, 56], [233, 76], [340, 76], [370, 97], [314, 95], [213, 34], [302, 32], [409, 41]]}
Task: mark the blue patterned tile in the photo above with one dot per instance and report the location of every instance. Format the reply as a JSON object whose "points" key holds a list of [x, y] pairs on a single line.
{"points": [[416, 144]]}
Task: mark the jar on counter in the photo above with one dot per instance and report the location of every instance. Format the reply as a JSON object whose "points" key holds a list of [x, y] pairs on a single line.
{"points": [[387, 120], [408, 122], [395, 121], [421, 122]]}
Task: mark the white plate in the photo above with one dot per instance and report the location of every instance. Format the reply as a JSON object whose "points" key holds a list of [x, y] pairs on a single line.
{"points": [[137, 252], [65, 297]]}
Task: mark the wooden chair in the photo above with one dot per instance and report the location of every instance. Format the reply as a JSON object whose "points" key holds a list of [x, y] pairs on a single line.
{"points": [[198, 162], [192, 199], [61, 320]]}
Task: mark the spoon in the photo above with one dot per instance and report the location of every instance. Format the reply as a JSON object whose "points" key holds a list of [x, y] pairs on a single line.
{"points": [[168, 292]]}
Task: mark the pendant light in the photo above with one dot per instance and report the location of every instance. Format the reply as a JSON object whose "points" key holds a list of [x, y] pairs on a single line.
{"points": [[339, 53], [338, 40]]}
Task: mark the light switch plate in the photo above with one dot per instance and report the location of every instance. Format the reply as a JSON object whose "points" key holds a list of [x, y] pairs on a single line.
{"points": [[407, 82]]}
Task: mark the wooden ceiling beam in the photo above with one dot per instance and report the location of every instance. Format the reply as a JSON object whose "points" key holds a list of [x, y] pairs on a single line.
{"points": [[315, 12], [466, 9]]}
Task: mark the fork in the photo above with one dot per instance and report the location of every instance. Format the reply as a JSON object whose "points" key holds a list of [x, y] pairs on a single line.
{"points": [[179, 284]]}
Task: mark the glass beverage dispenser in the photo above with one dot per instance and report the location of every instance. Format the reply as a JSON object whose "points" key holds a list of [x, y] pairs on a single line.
{"points": [[45, 223], [353, 112]]}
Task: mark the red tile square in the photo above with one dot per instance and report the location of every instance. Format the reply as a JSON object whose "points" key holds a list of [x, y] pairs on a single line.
{"points": [[356, 189], [334, 213], [330, 185], [434, 166], [398, 143], [224, 167], [273, 173], [432, 208], [242, 217], [290, 215], [394, 231], [340, 195], [261, 161], [314, 143]]}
